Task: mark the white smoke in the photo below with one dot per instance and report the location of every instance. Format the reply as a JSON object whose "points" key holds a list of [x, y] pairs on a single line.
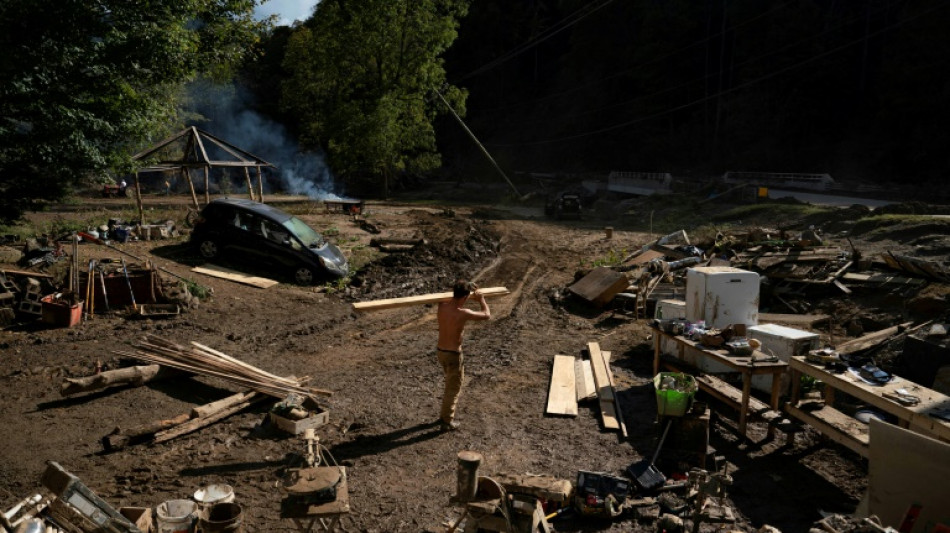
{"points": [[229, 116]]}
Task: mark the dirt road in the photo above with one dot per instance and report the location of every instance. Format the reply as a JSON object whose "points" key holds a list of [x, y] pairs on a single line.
{"points": [[387, 386]]}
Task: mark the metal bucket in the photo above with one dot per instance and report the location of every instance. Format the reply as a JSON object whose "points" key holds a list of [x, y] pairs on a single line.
{"points": [[212, 494], [176, 516], [223, 518]]}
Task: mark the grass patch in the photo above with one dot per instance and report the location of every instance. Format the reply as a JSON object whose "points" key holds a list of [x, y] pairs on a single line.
{"points": [[880, 223], [770, 212], [612, 259]]}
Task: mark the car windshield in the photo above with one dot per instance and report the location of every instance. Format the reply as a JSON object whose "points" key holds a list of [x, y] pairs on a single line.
{"points": [[305, 233]]}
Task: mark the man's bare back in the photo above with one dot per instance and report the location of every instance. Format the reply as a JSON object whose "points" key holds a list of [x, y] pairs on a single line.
{"points": [[452, 319]]}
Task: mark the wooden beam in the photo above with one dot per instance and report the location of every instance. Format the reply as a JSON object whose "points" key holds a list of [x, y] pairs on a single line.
{"points": [[250, 188], [260, 185], [138, 200], [233, 275], [191, 185], [584, 380], [605, 391], [376, 305], [207, 186], [871, 339], [562, 399]]}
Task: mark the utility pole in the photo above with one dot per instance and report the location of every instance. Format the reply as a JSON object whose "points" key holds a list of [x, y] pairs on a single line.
{"points": [[474, 138]]}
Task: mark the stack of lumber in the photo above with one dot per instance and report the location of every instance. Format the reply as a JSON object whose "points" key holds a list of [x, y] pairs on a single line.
{"points": [[200, 359], [610, 413]]}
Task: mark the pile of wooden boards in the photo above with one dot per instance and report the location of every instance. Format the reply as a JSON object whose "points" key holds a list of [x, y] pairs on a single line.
{"points": [[574, 380], [200, 359]]}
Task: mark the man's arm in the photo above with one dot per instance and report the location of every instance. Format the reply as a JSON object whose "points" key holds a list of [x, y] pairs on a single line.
{"points": [[485, 313]]}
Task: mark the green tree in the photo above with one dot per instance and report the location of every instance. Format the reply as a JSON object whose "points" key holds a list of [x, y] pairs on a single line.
{"points": [[87, 83], [361, 76]]}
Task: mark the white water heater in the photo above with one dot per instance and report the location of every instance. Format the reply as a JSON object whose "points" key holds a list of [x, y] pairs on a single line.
{"points": [[721, 296]]}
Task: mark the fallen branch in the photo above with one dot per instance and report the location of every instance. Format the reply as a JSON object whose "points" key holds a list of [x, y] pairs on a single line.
{"points": [[133, 375], [120, 438]]}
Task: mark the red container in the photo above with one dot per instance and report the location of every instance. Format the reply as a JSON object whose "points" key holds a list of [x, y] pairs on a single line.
{"points": [[60, 314]]}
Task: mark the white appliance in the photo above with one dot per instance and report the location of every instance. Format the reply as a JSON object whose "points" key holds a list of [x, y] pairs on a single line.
{"points": [[782, 342], [721, 296], [670, 309]]}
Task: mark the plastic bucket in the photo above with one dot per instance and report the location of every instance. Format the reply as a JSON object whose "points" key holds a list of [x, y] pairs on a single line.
{"points": [[673, 402], [212, 494], [176, 516], [223, 518]]}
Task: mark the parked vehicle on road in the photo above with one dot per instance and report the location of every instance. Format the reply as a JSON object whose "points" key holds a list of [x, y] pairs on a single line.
{"points": [[259, 233], [565, 205]]}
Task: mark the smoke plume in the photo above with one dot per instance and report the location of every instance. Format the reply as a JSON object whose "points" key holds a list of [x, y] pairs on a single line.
{"points": [[229, 115]]}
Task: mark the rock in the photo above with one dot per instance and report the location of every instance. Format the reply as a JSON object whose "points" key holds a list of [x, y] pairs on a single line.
{"points": [[669, 523]]}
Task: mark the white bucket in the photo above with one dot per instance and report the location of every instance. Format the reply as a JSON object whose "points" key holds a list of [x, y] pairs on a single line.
{"points": [[212, 494], [176, 516]]}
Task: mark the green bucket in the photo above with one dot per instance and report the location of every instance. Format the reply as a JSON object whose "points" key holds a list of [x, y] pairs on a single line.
{"points": [[674, 401]]}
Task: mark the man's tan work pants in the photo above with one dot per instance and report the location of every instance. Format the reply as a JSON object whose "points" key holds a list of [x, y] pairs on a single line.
{"points": [[454, 372]]}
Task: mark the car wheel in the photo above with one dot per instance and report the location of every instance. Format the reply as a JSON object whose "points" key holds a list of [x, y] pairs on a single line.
{"points": [[304, 276], [208, 249]]}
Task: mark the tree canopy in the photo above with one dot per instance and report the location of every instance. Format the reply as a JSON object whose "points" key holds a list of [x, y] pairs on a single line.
{"points": [[361, 75], [86, 83]]}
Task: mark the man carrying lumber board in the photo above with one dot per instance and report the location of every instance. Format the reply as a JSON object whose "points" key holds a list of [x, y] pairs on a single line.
{"points": [[452, 319]]}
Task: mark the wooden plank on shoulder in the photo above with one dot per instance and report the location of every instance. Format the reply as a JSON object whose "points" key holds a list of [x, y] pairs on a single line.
{"points": [[233, 275], [389, 303], [562, 396]]}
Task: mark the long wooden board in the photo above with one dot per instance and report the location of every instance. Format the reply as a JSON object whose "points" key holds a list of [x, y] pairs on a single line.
{"points": [[605, 390], [376, 305], [234, 275], [584, 380], [562, 399]]}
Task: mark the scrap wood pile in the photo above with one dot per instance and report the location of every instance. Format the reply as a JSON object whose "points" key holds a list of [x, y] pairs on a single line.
{"points": [[793, 262], [200, 359]]}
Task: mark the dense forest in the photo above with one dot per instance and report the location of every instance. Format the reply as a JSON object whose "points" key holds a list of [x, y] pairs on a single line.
{"points": [[857, 89]]}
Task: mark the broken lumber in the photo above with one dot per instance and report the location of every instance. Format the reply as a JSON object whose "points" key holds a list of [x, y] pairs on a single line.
{"points": [[600, 285], [120, 438], [562, 399], [871, 339], [389, 303], [206, 420], [173, 427], [132, 375]]}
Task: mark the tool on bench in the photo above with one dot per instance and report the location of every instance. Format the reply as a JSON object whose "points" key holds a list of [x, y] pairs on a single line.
{"points": [[901, 396], [125, 271], [78, 497], [647, 476]]}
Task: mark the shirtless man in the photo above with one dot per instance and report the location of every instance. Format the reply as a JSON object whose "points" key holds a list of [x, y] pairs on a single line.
{"points": [[452, 319]]}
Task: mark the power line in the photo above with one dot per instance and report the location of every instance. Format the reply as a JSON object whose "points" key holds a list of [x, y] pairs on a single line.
{"points": [[551, 32], [694, 80], [656, 59], [727, 91]]}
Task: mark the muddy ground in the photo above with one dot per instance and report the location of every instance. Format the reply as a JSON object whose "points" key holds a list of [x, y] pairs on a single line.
{"points": [[387, 384]]}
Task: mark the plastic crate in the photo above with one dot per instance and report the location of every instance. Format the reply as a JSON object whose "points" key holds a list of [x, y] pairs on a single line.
{"points": [[671, 402]]}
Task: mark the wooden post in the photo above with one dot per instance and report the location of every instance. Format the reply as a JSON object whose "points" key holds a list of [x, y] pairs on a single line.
{"points": [[250, 188], [207, 187], [138, 199], [191, 185], [260, 185]]}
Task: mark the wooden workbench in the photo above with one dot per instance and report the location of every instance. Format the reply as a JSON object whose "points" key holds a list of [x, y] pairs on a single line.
{"points": [[748, 366], [918, 418]]}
